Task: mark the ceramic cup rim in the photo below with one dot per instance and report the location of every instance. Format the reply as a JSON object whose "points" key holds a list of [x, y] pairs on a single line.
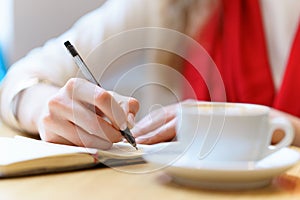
{"points": [[220, 108]]}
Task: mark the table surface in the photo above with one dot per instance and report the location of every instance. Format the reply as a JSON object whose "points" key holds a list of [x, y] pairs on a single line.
{"points": [[109, 183]]}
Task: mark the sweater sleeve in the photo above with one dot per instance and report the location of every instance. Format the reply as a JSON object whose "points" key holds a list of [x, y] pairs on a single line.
{"points": [[51, 63]]}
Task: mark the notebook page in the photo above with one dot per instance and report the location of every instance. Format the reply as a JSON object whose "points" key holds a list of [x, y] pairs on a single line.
{"points": [[19, 149]]}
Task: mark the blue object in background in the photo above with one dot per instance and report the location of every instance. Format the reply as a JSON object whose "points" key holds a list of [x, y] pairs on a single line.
{"points": [[2, 65]]}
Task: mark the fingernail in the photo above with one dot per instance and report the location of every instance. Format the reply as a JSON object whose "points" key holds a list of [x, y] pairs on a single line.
{"points": [[130, 120], [123, 126]]}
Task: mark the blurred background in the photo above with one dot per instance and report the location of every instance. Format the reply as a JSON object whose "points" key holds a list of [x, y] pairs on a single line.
{"points": [[26, 24]]}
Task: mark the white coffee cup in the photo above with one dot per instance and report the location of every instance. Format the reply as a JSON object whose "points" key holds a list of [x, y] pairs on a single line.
{"points": [[214, 131]]}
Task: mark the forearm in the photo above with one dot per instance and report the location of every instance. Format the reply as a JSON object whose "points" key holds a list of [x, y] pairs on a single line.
{"points": [[32, 102]]}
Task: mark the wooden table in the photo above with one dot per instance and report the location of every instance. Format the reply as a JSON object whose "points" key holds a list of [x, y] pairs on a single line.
{"points": [[107, 183]]}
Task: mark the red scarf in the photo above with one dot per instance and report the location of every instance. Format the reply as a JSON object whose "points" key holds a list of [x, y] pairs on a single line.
{"points": [[235, 39]]}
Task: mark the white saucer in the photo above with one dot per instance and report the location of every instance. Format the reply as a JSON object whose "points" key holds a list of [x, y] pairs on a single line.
{"points": [[222, 175]]}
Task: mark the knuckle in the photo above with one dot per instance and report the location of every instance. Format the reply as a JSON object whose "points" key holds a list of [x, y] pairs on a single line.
{"points": [[134, 104], [70, 83], [103, 97], [49, 137], [47, 120], [55, 102]]}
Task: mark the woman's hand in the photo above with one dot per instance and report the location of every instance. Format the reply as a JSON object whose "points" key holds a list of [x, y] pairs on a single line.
{"points": [[279, 135], [84, 114], [157, 126]]}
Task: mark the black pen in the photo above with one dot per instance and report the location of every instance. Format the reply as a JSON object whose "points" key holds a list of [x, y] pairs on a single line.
{"points": [[88, 75]]}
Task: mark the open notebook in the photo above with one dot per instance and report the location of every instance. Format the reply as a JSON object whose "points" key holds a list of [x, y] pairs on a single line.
{"points": [[24, 156]]}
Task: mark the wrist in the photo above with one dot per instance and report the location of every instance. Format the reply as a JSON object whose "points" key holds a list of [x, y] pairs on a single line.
{"points": [[30, 104]]}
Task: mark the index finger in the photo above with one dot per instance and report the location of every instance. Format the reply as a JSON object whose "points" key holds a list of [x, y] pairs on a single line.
{"points": [[87, 92], [129, 104]]}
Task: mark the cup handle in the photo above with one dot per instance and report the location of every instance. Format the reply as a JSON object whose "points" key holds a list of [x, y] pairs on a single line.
{"points": [[285, 125]]}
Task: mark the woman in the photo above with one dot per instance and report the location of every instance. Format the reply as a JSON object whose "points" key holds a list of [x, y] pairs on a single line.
{"points": [[231, 31], [255, 46]]}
